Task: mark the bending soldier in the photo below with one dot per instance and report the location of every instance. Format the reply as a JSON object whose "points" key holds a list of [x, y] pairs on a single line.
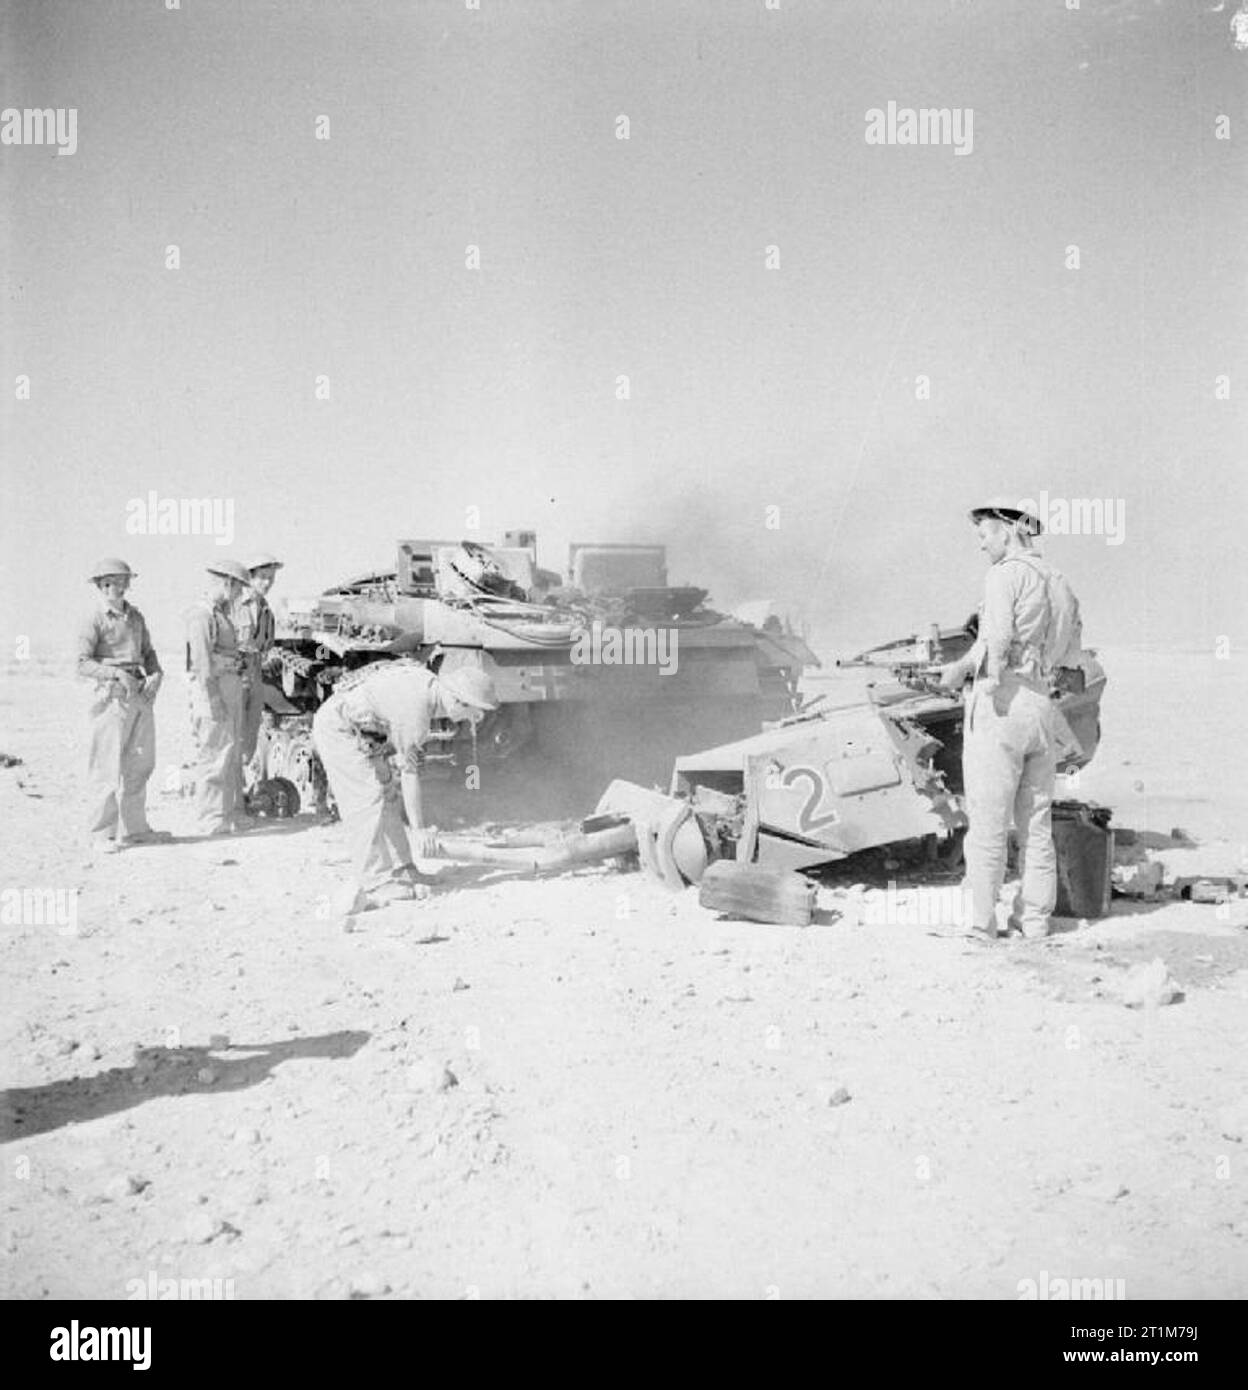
{"points": [[390, 709]]}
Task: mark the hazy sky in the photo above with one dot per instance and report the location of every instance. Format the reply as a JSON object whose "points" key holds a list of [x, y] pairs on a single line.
{"points": [[750, 387]]}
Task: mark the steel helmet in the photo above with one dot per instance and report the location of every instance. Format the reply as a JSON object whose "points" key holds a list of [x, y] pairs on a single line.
{"points": [[1003, 509], [111, 567], [229, 569], [262, 560], [470, 686]]}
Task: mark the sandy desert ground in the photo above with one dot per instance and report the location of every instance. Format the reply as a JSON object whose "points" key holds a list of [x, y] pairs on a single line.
{"points": [[588, 1088]]}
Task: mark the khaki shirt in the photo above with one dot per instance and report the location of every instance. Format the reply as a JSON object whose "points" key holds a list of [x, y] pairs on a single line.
{"points": [[395, 701], [253, 624], [1013, 619], [109, 638], [211, 642]]}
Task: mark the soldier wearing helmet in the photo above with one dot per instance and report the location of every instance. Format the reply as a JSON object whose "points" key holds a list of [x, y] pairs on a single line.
{"points": [[214, 667], [115, 652], [255, 628], [389, 712], [1010, 731]]}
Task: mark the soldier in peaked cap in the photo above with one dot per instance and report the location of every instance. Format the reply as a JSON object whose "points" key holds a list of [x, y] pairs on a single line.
{"points": [[214, 667], [115, 652]]}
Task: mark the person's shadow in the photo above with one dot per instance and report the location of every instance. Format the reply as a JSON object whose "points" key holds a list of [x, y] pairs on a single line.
{"points": [[158, 1071]]}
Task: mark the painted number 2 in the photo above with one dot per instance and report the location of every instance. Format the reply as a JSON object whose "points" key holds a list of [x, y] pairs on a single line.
{"points": [[810, 819]]}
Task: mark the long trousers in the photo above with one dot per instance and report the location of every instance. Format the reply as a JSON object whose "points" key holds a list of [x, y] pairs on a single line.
{"points": [[369, 798], [219, 775], [120, 762], [1009, 764], [253, 708]]}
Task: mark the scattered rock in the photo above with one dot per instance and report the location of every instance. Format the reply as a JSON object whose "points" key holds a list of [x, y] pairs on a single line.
{"points": [[427, 1076], [1149, 986], [832, 1094], [1180, 836], [1101, 1190], [459, 984], [124, 1185], [368, 1285], [1233, 1121], [201, 1228]]}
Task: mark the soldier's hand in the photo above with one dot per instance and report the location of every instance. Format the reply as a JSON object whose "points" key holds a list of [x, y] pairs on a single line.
{"points": [[130, 685], [152, 684], [425, 841], [952, 677]]}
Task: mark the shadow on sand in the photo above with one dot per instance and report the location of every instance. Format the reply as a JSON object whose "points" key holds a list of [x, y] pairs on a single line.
{"points": [[159, 1071]]}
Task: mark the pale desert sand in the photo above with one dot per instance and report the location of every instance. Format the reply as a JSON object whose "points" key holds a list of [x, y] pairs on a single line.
{"points": [[648, 1100]]}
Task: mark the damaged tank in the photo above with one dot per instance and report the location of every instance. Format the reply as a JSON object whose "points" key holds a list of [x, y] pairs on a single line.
{"points": [[836, 779], [603, 671]]}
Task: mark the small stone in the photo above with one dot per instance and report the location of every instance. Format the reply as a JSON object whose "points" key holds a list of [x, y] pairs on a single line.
{"points": [[201, 1227], [1233, 1121], [427, 1076], [124, 1185], [368, 1285], [459, 984], [1101, 1190], [1149, 986], [835, 1095], [205, 1076]]}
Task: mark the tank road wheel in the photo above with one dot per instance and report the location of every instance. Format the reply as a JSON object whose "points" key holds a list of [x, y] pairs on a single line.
{"points": [[276, 798]]}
